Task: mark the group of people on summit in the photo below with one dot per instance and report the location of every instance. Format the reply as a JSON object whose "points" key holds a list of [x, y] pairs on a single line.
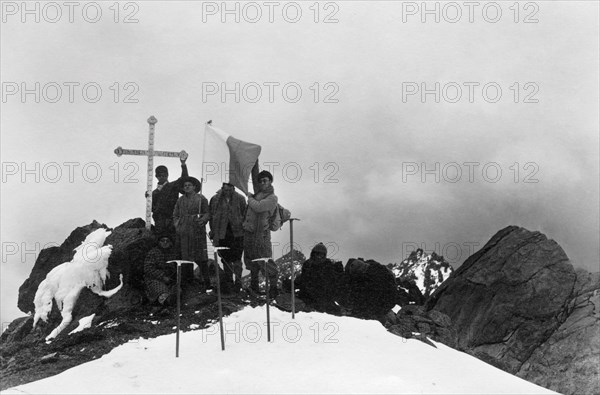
{"points": [[180, 225]]}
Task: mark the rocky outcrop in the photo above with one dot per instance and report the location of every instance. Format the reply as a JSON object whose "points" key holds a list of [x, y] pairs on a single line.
{"points": [[130, 241], [415, 322], [569, 361], [517, 302], [371, 288], [25, 356], [284, 266], [47, 260], [407, 292]]}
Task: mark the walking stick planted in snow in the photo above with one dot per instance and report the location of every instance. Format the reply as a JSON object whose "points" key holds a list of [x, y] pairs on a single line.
{"points": [[265, 260], [178, 262], [219, 296], [178, 309], [293, 265], [268, 302]]}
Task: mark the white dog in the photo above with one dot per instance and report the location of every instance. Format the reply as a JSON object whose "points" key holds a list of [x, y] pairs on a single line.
{"points": [[88, 268]]}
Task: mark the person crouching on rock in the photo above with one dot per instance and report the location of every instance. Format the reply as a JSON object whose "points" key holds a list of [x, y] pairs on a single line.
{"points": [[322, 281], [159, 276]]}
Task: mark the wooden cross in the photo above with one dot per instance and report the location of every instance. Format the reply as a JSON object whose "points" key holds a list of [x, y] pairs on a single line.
{"points": [[150, 153]]}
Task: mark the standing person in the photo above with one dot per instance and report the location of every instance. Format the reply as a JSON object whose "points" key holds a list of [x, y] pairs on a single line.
{"points": [[257, 235], [227, 210], [164, 198], [190, 217], [160, 276]]}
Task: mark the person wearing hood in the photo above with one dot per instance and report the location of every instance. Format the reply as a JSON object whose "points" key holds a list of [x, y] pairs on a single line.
{"points": [[257, 234], [322, 282], [190, 217], [227, 210]]}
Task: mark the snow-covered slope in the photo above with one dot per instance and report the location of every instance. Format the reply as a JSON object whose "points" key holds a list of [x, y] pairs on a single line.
{"points": [[428, 271], [315, 353]]}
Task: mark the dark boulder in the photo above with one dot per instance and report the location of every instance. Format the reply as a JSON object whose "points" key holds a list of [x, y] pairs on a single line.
{"points": [[322, 285], [506, 298], [414, 322], [371, 288], [408, 292], [569, 361], [131, 242], [48, 259], [519, 304]]}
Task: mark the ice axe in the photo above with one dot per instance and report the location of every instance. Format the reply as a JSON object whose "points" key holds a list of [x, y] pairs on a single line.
{"points": [[265, 260], [293, 266], [219, 296], [178, 262]]}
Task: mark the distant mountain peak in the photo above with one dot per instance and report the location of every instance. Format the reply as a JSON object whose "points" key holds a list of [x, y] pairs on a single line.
{"points": [[427, 271]]}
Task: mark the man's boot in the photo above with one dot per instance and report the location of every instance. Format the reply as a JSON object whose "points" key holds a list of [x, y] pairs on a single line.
{"points": [[273, 291], [226, 278], [205, 270], [237, 287], [237, 271], [254, 281]]}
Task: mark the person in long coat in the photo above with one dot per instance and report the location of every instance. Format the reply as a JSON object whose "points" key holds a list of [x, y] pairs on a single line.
{"points": [[227, 210], [190, 217], [257, 235]]}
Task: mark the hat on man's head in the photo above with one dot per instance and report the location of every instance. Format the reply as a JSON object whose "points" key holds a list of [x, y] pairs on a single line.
{"points": [[319, 248], [161, 169], [165, 235], [265, 174], [193, 180]]}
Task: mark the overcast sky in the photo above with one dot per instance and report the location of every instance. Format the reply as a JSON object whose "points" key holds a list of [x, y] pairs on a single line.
{"points": [[385, 129]]}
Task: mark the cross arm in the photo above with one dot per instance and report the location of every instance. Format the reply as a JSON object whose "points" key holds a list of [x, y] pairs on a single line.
{"points": [[119, 151]]}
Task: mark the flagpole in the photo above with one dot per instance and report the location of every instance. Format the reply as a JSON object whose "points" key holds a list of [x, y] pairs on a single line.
{"points": [[178, 309], [203, 154]]}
